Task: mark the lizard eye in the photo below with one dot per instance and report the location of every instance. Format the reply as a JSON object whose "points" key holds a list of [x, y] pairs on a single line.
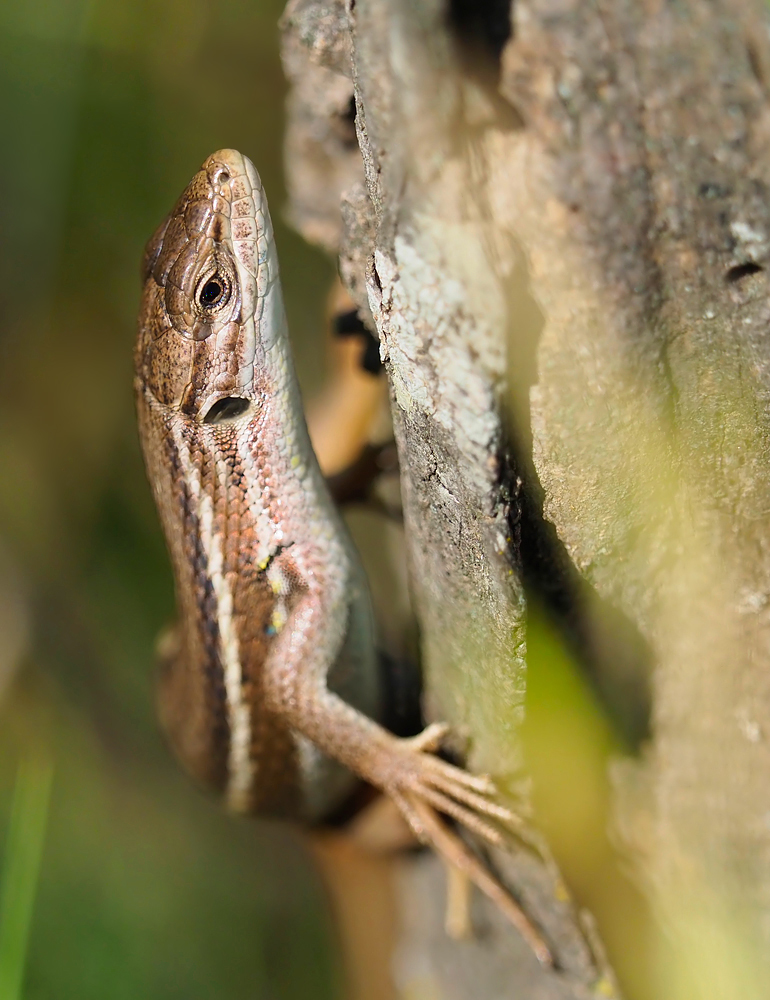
{"points": [[213, 292]]}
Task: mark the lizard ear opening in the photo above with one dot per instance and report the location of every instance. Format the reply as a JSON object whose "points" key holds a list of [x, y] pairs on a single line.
{"points": [[227, 409]]}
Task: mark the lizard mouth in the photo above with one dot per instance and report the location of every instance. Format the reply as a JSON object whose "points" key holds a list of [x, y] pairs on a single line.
{"points": [[226, 410]]}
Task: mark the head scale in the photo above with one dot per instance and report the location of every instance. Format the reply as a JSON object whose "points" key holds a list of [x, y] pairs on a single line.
{"points": [[207, 270]]}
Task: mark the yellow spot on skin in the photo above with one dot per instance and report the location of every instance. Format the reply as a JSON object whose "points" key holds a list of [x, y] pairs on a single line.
{"points": [[278, 619], [295, 461]]}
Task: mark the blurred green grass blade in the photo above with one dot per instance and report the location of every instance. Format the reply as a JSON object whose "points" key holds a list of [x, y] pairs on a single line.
{"points": [[21, 865]]}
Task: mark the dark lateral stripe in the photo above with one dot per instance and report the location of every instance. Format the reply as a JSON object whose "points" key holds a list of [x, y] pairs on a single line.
{"points": [[211, 765]]}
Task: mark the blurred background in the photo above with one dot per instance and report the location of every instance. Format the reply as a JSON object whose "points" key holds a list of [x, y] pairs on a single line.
{"points": [[130, 882]]}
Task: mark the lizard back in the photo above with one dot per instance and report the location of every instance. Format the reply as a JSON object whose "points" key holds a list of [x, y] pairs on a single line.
{"points": [[225, 445]]}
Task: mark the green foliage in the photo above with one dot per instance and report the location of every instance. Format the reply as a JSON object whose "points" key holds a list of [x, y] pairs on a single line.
{"points": [[146, 889], [26, 833]]}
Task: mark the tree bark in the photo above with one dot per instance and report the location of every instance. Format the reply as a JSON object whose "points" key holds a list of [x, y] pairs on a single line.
{"points": [[557, 219]]}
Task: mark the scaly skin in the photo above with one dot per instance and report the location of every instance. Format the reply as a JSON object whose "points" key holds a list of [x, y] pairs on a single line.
{"points": [[269, 689]]}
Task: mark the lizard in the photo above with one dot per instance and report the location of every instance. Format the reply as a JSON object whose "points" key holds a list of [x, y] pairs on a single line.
{"points": [[269, 687]]}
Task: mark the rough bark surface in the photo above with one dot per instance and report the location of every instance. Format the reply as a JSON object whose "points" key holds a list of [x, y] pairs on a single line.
{"points": [[561, 234]]}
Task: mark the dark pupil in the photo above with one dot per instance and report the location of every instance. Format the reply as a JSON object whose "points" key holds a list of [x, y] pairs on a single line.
{"points": [[211, 292]]}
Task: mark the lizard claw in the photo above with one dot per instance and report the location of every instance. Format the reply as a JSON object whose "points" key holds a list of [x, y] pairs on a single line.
{"points": [[430, 739], [455, 853], [423, 786]]}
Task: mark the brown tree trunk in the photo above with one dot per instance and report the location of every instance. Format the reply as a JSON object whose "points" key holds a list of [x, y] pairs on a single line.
{"points": [[557, 219]]}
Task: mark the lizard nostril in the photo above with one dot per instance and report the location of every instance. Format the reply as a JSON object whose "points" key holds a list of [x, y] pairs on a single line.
{"points": [[227, 409]]}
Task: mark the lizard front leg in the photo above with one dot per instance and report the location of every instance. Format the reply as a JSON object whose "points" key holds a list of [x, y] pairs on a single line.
{"points": [[422, 785]]}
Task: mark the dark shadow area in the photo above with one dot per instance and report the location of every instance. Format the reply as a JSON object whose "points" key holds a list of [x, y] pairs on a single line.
{"points": [[481, 25], [607, 648]]}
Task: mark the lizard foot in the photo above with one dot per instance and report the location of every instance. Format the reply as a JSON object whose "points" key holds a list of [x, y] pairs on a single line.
{"points": [[423, 786]]}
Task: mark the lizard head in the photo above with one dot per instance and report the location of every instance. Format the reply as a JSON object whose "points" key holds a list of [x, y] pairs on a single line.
{"points": [[207, 272]]}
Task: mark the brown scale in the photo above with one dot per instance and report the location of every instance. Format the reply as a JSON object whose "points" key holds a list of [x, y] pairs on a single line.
{"points": [[191, 696], [273, 749], [175, 369]]}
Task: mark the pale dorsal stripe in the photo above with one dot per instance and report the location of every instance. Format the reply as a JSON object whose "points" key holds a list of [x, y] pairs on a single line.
{"points": [[240, 766]]}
